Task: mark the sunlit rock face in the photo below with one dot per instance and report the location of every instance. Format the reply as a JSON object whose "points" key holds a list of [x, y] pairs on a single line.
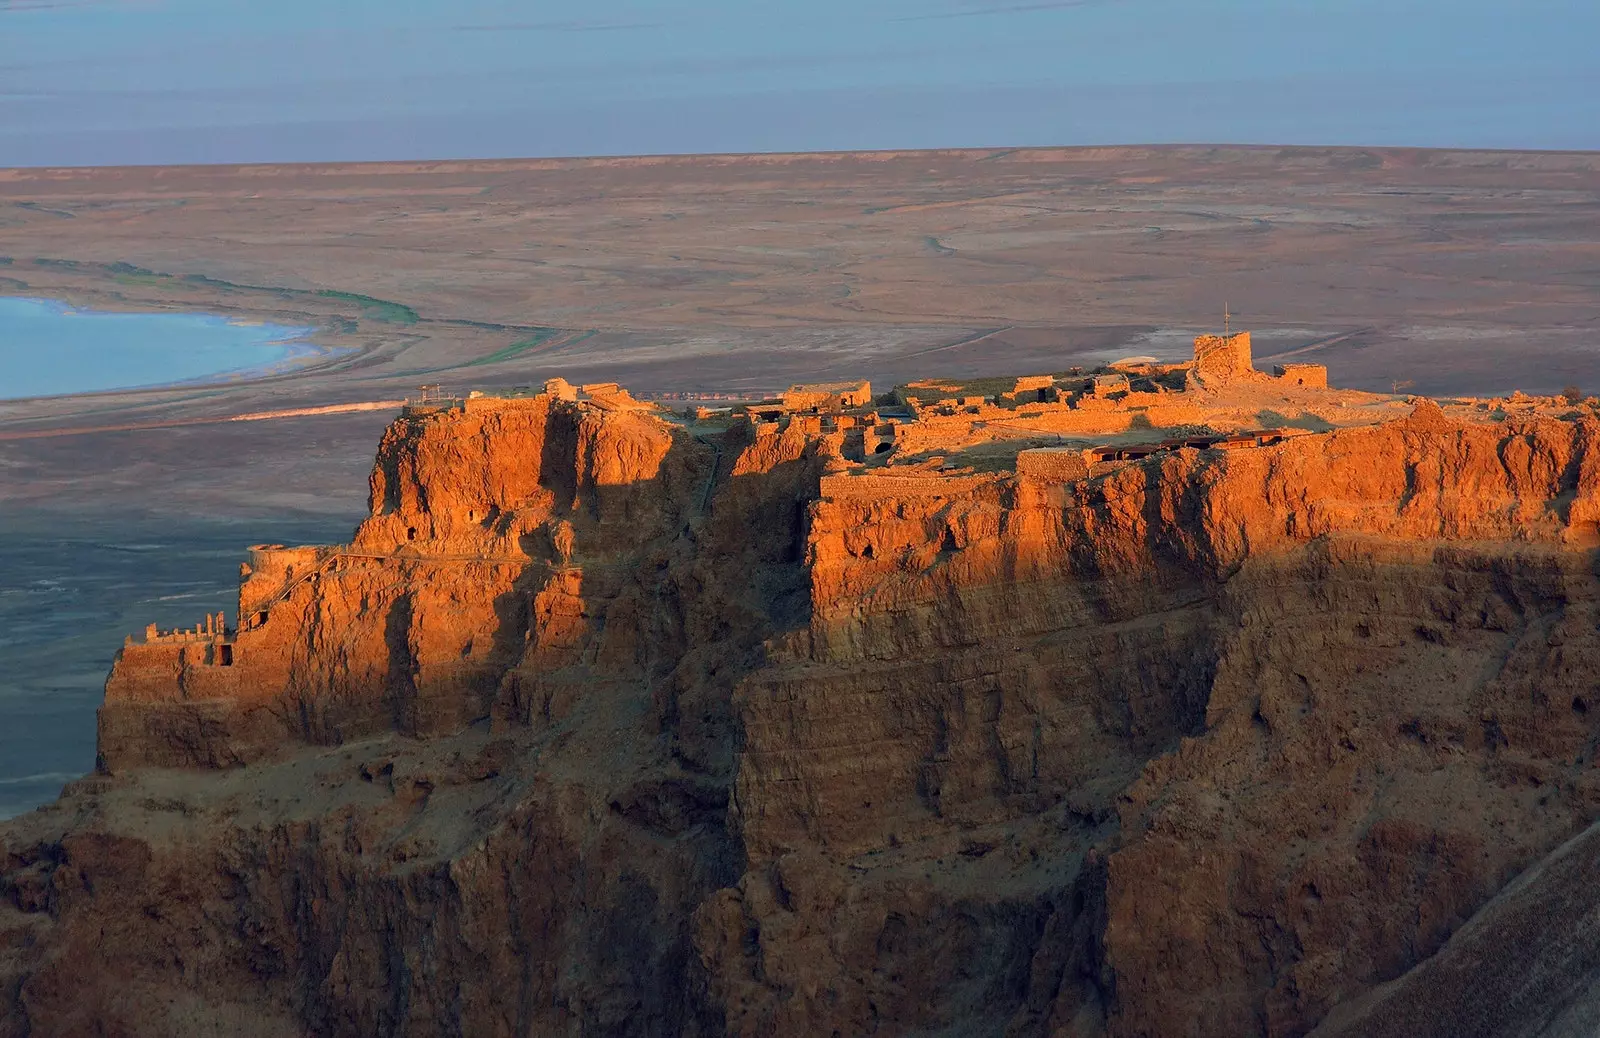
{"points": [[603, 723]]}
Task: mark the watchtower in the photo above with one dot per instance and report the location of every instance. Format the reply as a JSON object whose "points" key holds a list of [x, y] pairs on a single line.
{"points": [[1223, 356]]}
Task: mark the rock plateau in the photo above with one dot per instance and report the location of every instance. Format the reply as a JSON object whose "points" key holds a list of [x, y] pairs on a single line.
{"points": [[608, 721]]}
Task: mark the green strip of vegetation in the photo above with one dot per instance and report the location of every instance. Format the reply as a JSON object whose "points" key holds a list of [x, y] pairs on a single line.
{"points": [[128, 274], [129, 270], [375, 309], [539, 337], [201, 279]]}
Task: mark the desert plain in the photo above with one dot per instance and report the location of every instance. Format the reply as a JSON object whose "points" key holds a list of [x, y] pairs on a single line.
{"points": [[1436, 272]]}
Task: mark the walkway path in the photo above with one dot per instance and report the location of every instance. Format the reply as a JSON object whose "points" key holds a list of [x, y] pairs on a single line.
{"points": [[173, 423]]}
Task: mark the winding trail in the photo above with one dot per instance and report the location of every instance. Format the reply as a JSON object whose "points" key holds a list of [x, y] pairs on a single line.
{"points": [[174, 423]]}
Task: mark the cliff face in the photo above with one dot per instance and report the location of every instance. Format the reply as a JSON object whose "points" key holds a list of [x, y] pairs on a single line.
{"points": [[600, 726]]}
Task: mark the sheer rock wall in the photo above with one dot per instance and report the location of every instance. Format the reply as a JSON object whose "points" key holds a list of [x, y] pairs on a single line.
{"points": [[599, 726]]}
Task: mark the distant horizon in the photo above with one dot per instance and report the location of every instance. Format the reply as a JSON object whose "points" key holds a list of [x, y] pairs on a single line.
{"points": [[95, 83], [827, 153]]}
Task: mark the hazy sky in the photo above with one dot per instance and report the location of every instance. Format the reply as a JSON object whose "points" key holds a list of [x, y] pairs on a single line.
{"points": [[122, 81]]}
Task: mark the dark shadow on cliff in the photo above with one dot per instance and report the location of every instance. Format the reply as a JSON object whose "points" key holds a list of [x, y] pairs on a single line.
{"points": [[402, 675]]}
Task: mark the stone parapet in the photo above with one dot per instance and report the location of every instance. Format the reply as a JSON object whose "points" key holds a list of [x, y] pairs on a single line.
{"points": [[890, 487], [1054, 464], [1311, 376]]}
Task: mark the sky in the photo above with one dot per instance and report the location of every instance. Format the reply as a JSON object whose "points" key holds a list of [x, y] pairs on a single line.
{"points": [[102, 82]]}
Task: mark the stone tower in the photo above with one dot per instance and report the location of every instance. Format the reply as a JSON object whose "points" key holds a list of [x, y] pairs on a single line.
{"points": [[1222, 356]]}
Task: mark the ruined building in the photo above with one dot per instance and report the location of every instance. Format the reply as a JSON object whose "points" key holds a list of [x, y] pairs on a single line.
{"points": [[1218, 357], [827, 396]]}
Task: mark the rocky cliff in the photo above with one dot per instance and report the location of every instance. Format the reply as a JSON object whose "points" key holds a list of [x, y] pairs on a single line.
{"points": [[602, 724]]}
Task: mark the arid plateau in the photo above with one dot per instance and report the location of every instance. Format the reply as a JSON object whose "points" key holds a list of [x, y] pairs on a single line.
{"points": [[832, 594]]}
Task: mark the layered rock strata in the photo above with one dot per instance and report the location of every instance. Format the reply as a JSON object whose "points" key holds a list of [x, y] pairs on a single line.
{"points": [[606, 725]]}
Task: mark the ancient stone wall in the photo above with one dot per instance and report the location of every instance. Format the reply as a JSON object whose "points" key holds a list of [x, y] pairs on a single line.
{"points": [[1053, 464], [1222, 356], [893, 487], [1310, 376], [827, 396]]}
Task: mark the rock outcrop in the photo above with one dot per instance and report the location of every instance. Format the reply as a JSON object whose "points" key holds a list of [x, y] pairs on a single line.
{"points": [[606, 725]]}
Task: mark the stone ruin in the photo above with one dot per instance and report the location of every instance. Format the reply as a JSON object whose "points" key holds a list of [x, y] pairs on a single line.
{"points": [[214, 628], [1222, 357], [1040, 388], [1312, 376], [561, 389], [1053, 464], [1105, 385], [827, 396]]}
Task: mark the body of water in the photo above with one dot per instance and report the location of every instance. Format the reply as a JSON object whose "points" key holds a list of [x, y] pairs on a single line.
{"points": [[49, 348]]}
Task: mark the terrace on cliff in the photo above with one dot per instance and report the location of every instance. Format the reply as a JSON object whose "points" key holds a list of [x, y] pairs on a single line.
{"points": [[1125, 412]]}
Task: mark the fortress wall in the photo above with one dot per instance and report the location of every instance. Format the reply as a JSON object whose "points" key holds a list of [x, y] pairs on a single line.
{"points": [[1053, 464], [890, 487], [203, 676], [1312, 376], [1223, 355], [146, 673], [172, 671], [271, 569], [490, 404], [803, 401]]}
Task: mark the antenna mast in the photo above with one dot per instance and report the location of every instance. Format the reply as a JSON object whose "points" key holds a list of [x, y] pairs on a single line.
{"points": [[1227, 321]]}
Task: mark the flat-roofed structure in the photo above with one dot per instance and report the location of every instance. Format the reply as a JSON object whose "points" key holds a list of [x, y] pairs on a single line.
{"points": [[1313, 376], [827, 396], [1104, 385], [1033, 387]]}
